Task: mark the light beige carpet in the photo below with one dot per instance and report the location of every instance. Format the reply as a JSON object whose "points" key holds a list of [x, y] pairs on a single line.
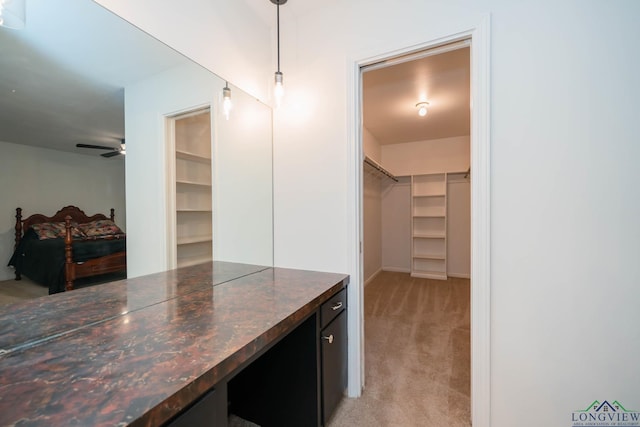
{"points": [[417, 355], [20, 290]]}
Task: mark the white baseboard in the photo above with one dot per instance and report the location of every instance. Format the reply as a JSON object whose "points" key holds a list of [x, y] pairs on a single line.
{"points": [[397, 269], [459, 276], [372, 277]]}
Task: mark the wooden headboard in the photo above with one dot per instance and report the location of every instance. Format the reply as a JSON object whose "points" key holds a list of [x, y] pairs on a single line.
{"points": [[74, 212]]}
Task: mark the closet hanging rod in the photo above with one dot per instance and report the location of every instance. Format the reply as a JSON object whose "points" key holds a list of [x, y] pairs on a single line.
{"points": [[379, 168]]}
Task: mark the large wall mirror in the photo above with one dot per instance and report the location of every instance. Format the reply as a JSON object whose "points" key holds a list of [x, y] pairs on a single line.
{"points": [[78, 74]]}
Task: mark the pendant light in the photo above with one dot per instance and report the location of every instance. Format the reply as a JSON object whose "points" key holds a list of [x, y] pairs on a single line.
{"points": [[226, 100], [279, 87], [422, 108], [12, 14]]}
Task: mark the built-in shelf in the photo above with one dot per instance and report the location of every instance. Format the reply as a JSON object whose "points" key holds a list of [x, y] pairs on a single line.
{"points": [[185, 182], [429, 236], [188, 262], [193, 198], [193, 240], [427, 256], [429, 226], [186, 155]]}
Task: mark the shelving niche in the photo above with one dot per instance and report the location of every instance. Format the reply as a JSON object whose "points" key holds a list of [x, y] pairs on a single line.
{"points": [[193, 189], [429, 226]]}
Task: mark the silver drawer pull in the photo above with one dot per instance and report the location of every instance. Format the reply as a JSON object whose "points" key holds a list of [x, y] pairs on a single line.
{"points": [[337, 306], [329, 338]]}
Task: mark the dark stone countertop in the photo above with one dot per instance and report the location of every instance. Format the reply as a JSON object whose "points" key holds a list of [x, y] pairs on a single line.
{"points": [[137, 351]]}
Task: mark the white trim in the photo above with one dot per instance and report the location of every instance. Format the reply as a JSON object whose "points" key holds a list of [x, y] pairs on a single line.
{"points": [[459, 276], [355, 293], [372, 277], [481, 226], [397, 269], [480, 218]]}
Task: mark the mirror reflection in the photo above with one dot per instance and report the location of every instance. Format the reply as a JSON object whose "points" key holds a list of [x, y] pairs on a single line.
{"points": [[87, 100]]}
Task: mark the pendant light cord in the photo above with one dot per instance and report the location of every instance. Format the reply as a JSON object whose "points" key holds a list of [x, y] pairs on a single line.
{"points": [[278, 31]]}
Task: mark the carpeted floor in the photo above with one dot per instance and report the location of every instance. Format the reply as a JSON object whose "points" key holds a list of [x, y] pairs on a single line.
{"points": [[417, 355], [20, 290]]}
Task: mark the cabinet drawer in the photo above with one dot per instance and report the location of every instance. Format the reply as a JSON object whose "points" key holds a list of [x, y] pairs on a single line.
{"points": [[334, 364], [334, 306]]}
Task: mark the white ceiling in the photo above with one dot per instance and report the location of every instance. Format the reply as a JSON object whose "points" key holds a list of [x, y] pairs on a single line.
{"points": [[62, 76], [390, 95]]}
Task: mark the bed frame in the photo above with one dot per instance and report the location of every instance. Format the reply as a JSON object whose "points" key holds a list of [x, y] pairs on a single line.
{"points": [[112, 263]]}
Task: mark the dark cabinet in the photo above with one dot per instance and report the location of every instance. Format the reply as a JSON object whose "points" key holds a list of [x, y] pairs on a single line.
{"points": [[333, 345], [209, 410], [298, 381]]}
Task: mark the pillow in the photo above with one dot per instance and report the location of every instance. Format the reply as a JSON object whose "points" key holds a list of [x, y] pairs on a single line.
{"points": [[101, 227], [54, 230]]}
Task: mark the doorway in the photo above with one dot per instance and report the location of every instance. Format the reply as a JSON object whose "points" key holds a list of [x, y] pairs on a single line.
{"points": [[480, 216], [190, 188], [416, 234]]}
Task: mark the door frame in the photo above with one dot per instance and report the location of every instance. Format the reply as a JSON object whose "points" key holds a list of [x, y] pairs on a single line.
{"points": [[479, 34]]}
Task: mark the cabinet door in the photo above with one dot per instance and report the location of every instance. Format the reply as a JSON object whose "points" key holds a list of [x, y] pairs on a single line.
{"points": [[334, 364]]}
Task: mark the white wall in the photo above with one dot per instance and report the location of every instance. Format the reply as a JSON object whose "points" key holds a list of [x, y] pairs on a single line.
{"points": [[147, 104], [243, 192], [371, 207], [564, 203], [430, 156], [564, 197], [43, 181], [396, 226], [229, 38]]}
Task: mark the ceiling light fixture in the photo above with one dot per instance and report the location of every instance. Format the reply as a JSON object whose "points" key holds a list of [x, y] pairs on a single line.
{"points": [[226, 100], [12, 14], [422, 108], [279, 88]]}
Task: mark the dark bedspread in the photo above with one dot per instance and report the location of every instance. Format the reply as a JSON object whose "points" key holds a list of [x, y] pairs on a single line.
{"points": [[43, 260]]}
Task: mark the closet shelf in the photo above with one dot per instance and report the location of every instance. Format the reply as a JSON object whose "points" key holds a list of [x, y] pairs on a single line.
{"points": [[193, 210], [192, 240], [186, 155], [379, 168], [200, 184], [429, 236], [419, 196], [187, 262], [427, 256]]}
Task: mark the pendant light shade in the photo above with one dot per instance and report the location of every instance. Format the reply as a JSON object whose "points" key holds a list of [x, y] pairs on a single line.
{"points": [[226, 100], [278, 91], [12, 14]]}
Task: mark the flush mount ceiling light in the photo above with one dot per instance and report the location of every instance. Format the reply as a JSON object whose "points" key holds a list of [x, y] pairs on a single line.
{"points": [[279, 88], [226, 100], [422, 108], [12, 14]]}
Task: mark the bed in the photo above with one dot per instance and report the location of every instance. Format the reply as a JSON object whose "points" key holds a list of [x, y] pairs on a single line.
{"points": [[56, 251]]}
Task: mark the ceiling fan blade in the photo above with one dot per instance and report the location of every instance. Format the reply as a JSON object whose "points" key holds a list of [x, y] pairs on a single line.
{"points": [[99, 147], [111, 154]]}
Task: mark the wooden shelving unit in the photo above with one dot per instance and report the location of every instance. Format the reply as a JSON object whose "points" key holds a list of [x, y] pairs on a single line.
{"points": [[193, 189], [429, 226]]}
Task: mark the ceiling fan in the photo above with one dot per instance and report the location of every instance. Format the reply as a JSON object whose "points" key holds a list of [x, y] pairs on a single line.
{"points": [[113, 151]]}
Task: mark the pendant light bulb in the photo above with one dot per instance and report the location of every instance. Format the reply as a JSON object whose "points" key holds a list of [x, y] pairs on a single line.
{"points": [[226, 100], [422, 108], [278, 88]]}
